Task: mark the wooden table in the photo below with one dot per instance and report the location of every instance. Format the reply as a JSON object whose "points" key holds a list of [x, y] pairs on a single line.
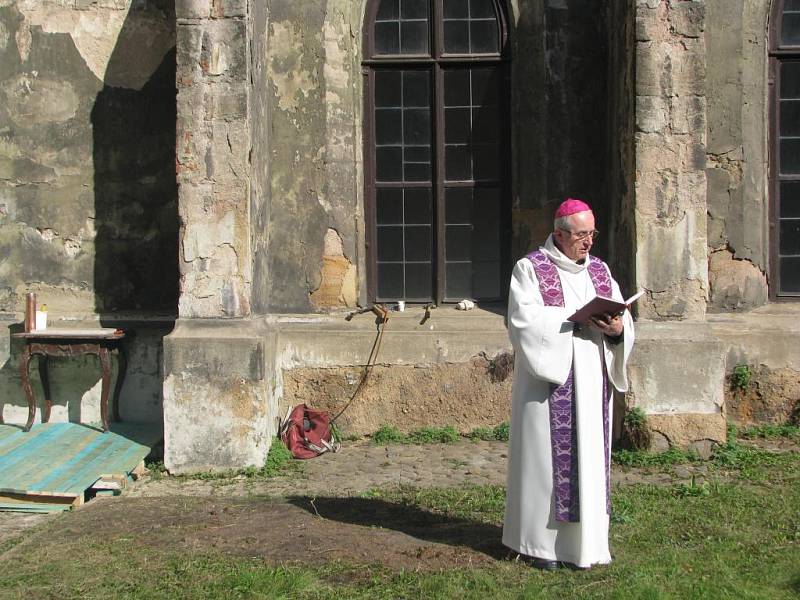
{"points": [[71, 342]]}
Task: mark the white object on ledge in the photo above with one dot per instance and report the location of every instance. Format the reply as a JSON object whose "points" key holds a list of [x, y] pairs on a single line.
{"points": [[465, 305], [41, 320]]}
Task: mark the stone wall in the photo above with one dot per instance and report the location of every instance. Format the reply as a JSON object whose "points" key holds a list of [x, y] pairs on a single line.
{"points": [[88, 199], [670, 140], [88, 213], [213, 157], [559, 110], [737, 153]]}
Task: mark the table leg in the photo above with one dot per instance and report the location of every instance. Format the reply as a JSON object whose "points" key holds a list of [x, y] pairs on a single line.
{"points": [[48, 399], [122, 367], [105, 362], [24, 363]]}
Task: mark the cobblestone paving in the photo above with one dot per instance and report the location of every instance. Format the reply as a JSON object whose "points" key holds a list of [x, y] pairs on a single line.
{"points": [[357, 467], [362, 465]]}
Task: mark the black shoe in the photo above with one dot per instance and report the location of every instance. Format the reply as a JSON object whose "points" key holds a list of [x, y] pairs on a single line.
{"points": [[544, 565]]}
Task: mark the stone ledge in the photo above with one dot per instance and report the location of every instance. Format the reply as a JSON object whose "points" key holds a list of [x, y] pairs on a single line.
{"points": [[688, 431]]}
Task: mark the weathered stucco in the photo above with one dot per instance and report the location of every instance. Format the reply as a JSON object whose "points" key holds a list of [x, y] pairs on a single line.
{"points": [[737, 153], [87, 191], [560, 133], [671, 159], [213, 158]]}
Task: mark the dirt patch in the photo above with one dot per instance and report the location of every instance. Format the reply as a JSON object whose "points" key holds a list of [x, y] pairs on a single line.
{"points": [[464, 395], [300, 531], [771, 396]]}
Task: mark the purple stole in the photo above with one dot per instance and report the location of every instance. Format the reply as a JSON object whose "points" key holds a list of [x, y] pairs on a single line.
{"points": [[563, 434]]}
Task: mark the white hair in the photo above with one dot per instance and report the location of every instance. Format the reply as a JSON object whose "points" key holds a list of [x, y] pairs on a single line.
{"points": [[562, 223], [565, 222]]}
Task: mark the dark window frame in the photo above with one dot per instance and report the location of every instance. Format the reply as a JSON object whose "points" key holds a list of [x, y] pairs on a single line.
{"points": [[437, 61], [778, 54]]}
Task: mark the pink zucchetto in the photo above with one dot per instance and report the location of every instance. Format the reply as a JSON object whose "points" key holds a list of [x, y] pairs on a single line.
{"points": [[570, 206]]}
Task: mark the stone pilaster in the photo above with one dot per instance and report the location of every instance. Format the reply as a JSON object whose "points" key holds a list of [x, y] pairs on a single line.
{"points": [[670, 146], [213, 169]]}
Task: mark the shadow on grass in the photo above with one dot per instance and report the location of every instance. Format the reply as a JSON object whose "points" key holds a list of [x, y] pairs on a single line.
{"points": [[410, 520]]}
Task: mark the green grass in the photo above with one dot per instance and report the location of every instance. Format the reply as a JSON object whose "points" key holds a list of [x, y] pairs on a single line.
{"points": [[739, 539], [642, 458], [770, 432], [389, 434]]}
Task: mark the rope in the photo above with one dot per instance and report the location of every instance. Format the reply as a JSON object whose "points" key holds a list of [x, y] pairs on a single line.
{"points": [[383, 318]]}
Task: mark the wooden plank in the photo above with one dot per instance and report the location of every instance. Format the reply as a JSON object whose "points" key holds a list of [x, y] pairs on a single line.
{"points": [[59, 443], [54, 464], [35, 446], [65, 501]]}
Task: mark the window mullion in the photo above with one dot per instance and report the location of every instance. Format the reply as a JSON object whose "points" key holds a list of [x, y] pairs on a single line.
{"points": [[439, 210]]}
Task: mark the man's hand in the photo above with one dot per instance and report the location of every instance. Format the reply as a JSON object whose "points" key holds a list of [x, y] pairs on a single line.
{"points": [[607, 323]]}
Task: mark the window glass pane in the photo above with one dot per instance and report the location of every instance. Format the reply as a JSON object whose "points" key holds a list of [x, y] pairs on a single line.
{"points": [[483, 37], [485, 125], [388, 88], [791, 5], [456, 37], [456, 87], [790, 156], [456, 9], [458, 205], [416, 126], [456, 125], [416, 172], [790, 275], [389, 163], [414, 9], [457, 163], [485, 162], [458, 242], [419, 285], [389, 206], [414, 37], [418, 242], [388, 126], [485, 87], [418, 206], [486, 280], [790, 199], [790, 237], [387, 37], [416, 89], [486, 219], [388, 10], [458, 281], [418, 154], [790, 117], [390, 243], [390, 281], [482, 9], [790, 29]]}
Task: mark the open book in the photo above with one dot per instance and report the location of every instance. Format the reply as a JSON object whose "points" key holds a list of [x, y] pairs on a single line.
{"points": [[599, 305]]}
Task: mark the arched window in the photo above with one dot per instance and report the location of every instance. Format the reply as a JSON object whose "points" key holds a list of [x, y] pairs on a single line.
{"points": [[785, 161], [436, 149]]}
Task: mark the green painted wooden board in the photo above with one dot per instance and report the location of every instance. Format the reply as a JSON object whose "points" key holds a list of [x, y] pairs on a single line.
{"points": [[51, 466]]}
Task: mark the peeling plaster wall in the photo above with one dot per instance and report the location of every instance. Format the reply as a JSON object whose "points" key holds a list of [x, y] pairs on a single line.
{"points": [[737, 153], [559, 115], [88, 198], [88, 214], [213, 158], [671, 158], [313, 180]]}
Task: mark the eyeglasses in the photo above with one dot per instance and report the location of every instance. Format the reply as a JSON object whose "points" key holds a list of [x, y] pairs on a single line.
{"points": [[582, 235]]}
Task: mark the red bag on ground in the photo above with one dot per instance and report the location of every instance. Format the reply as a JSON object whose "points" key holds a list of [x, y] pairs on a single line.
{"points": [[307, 433]]}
